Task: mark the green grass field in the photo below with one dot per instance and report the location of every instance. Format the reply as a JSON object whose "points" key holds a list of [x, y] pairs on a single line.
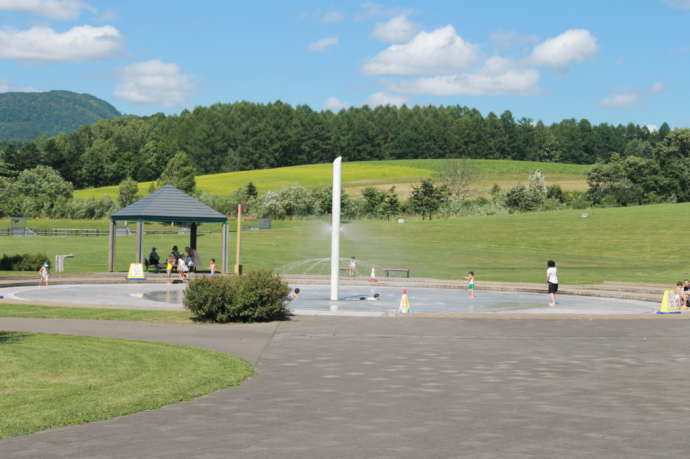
{"points": [[357, 175], [58, 312], [636, 244], [55, 380]]}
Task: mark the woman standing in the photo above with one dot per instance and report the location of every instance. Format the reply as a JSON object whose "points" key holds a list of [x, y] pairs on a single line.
{"points": [[552, 280]]}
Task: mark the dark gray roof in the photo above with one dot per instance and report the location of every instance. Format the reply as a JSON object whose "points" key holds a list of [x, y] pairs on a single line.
{"points": [[169, 205]]}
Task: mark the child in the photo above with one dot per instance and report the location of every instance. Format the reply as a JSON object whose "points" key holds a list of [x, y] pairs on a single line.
{"points": [[212, 267], [679, 296], [181, 268], [470, 284], [43, 274], [169, 266], [352, 268], [294, 295], [552, 281]]}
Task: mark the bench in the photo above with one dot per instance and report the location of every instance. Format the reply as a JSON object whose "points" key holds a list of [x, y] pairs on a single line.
{"points": [[350, 270], [387, 271]]}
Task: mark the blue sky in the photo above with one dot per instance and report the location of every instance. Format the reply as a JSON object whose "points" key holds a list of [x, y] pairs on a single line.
{"points": [[613, 61]]}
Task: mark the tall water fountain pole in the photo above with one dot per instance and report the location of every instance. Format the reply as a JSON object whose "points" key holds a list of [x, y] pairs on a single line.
{"points": [[335, 229]]}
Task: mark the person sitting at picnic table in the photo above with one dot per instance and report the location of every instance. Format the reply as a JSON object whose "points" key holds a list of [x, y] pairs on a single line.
{"points": [[175, 253], [189, 259], [192, 258], [153, 260]]}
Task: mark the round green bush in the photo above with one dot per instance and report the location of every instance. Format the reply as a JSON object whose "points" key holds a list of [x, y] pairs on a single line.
{"points": [[258, 296]]}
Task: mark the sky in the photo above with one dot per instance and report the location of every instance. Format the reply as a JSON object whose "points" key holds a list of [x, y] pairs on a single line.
{"points": [[611, 61]]}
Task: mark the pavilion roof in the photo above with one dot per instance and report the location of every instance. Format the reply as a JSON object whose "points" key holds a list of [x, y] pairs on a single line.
{"points": [[169, 204]]}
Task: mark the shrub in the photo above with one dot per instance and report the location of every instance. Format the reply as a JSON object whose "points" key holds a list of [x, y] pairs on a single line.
{"points": [[521, 199], [555, 192], [257, 296], [23, 262]]}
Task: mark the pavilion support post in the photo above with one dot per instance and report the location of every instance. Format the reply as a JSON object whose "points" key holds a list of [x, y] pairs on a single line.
{"points": [[192, 236], [238, 264], [111, 246], [140, 242], [224, 248]]}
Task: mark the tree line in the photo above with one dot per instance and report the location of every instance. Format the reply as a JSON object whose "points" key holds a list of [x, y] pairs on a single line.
{"points": [[247, 136]]}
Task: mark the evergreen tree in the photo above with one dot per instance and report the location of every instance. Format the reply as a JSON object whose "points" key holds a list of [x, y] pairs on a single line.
{"points": [[128, 192], [373, 198], [250, 191], [390, 207], [179, 173], [426, 198]]}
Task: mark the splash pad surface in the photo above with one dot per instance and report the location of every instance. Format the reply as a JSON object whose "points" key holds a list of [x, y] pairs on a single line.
{"points": [[314, 300]]}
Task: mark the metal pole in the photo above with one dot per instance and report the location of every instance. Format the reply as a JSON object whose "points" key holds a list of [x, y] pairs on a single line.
{"points": [[238, 265], [140, 241], [224, 248], [335, 229], [111, 247]]}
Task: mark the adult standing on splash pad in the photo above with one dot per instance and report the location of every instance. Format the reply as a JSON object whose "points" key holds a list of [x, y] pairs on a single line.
{"points": [[552, 281]]}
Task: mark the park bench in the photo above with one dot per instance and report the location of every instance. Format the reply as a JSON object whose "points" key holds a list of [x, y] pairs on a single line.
{"points": [[387, 271], [350, 270]]}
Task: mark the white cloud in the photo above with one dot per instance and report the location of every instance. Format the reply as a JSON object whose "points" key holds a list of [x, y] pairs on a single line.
{"points": [[6, 87], [440, 51], [396, 30], [657, 88], [107, 16], [509, 39], [497, 76], [55, 9], [623, 99], [335, 104], [680, 4], [381, 98], [652, 127], [560, 52], [626, 98], [376, 10], [332, 16], [154, 82], [80, 43], [323, 44]]}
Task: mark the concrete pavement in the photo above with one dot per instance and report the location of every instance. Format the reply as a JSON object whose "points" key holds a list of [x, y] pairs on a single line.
{"points": [[406, 387]]}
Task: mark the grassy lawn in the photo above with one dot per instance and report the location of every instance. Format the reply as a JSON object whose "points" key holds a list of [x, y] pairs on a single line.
{"points": [[55, 380], [58, 312], [637, 244], [357, 175]]}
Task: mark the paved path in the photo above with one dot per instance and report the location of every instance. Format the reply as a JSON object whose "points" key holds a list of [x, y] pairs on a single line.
{"points": [[406, 387]]}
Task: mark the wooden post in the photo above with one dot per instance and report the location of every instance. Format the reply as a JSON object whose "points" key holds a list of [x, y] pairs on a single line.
{"points": [[111, 246], [192, 236], [238, 265], [140, 242], [224, 248]]}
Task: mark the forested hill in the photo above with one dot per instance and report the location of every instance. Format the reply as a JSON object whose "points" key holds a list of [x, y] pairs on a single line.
{"points": [[246, 136], [27, 115]]}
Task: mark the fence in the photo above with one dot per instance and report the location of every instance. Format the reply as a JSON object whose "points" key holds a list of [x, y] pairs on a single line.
{"points": [[85, 232]]}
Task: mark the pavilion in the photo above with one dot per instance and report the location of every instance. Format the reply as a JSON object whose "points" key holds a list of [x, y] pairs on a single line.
{"points": [[168, 204]]}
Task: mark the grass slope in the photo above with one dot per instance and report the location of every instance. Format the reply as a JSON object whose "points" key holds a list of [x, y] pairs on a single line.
{"points": [[357, 175], [640, 244], [56, 380]]}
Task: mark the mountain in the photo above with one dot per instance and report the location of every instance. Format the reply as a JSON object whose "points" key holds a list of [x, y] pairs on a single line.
{"points": [[27, 115]]}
